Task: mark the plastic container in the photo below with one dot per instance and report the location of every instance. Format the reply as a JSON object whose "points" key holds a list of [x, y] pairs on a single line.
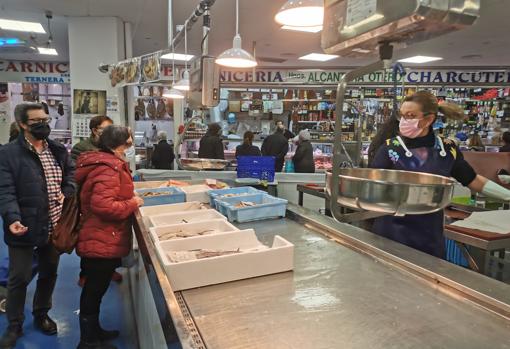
{"points": [[171, 208], [197, 192], [257, 260], [260, 167], [266, 207], [454, 254], [174, 195], [214, 226], [219, 194], [185, 217]]}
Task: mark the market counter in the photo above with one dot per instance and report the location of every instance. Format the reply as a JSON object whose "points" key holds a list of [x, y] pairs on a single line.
{"points": [[349, 289]]}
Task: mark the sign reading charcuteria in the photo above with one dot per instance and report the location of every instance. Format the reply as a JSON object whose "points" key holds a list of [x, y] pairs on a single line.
{"points": [[325, 77]]}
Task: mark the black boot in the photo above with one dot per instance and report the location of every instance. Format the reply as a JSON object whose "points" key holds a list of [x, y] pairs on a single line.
{"points": [[105, 335], [10, 336], [89, 334], [45, 324]]}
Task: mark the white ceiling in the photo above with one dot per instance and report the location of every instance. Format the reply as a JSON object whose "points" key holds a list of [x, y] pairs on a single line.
{"points": [[487, 38]]}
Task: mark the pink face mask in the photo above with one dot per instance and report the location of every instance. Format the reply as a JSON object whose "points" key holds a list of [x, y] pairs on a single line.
{"points": [[410, 128]]}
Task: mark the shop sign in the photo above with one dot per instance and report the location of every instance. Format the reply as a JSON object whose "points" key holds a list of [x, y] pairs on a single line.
{"points": [[34, 72], [325, 77]]}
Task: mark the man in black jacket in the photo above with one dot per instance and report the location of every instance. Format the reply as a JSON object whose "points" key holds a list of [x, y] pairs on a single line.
{"points": [[163, 155], [211, 146], [276, 145], [36, 174], [303, 158]]}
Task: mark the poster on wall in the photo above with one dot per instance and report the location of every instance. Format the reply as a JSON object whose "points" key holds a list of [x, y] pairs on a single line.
{"points": [[5, 113], [30, 92], [89, 102]]}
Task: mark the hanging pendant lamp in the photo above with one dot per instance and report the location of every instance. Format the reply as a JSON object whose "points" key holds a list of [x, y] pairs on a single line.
{"points": [[301, 13], [236, 57], [173, 93], [183, 84]]}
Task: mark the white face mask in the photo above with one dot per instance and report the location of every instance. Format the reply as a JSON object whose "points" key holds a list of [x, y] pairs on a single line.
{"points": [[130, 153]]}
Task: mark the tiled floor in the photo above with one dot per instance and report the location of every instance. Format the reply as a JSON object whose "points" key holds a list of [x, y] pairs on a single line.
{"points": [[116, 311]]}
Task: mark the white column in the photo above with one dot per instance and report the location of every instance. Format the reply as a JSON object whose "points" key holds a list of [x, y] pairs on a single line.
{"points": [[92, 41]]}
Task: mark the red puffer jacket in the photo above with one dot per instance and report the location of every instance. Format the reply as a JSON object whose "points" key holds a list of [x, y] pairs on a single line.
{"points": [[107, 204]]}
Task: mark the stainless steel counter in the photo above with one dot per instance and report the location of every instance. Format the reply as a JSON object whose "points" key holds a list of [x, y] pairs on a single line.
{"points": [[349, 289]]}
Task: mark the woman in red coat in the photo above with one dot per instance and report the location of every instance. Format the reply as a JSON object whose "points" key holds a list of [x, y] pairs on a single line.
{"points": [[107, 204]]}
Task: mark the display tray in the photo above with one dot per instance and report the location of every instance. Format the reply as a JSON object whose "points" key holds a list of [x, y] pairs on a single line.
{"points": [[197, 192], [184, 217], [168, 195], [179, 231], [256, 260], [221, 194], [266, 207], [171, 208]]}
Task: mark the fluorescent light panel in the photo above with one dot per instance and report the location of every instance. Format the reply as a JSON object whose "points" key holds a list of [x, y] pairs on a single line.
{"points": [[320, 57], [177, 57], [21, 26], [420, 59], [47, 51], [313, 29]]}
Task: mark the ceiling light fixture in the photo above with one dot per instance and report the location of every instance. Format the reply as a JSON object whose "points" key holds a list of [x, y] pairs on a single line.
{"points": [[420, 59], [177, 56], [320, 57], [236, 57], [47, 51], [21, 26], [183, 84], [301, 13], [314, 29]]}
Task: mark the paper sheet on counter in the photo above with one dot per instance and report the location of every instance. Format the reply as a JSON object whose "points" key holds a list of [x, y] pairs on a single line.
{"points": [[492, 221]]}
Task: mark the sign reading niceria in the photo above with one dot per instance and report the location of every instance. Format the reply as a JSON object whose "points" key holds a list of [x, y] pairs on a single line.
{"points": [[324, 77]]}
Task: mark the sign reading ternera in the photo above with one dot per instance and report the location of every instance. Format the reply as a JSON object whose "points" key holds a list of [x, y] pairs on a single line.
{"points": [[34, 72], [325, 77]]}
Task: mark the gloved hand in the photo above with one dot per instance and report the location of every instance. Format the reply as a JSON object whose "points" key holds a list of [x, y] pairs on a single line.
{"points": [[496, 191], [504, 179]]}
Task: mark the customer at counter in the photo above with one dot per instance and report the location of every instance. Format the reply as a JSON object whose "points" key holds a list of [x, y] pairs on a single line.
{"points": [[163, 156], [288, 134], [211, 146], [475, 142], [107, 203], [416, 148], [506, 139], [276, 145], [303, 157], [247, 148]]}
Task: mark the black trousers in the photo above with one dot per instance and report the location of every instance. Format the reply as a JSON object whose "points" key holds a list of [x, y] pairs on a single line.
{"points": [[99, 273], [20, 275]]}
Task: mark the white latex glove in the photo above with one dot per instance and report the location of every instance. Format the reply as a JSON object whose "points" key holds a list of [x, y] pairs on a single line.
{"points": [[504, 179], [496, 191]]}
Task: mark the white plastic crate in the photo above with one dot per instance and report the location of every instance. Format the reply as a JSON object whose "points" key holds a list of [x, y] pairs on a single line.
{"points": [[185, 217], [171, 208], [197, 192], [214, 226], [215, 270]]}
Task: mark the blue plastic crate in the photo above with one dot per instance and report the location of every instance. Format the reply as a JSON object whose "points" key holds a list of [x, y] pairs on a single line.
{"points": [[218, 194], [176, 195], [261, 167], [267, 207], [454, 254]]}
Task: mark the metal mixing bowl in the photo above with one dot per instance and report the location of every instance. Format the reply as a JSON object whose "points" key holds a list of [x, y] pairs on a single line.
{"points": [[393, 192]]}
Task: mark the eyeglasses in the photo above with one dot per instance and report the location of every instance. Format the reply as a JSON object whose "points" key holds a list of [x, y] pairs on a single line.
{"points": [[38, 121]]}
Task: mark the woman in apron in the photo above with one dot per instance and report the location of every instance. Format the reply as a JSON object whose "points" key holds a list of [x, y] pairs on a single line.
{"points": [[416, 148]]}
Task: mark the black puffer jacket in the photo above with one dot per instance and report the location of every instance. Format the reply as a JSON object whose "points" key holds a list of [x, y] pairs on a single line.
{"points": [[211, 147], [303, 158], [247, 150], [23, 192], [163, 156], [276, 145]]}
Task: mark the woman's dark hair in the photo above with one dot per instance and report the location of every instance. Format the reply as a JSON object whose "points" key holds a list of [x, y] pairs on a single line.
{"points": [[113, 137], [388, 130], [96, 121], [506, 137], [214, 129], [248, 137]]}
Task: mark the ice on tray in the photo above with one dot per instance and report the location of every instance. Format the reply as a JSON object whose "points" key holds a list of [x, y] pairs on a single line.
{"points": [[187, 230], [185, 217], [172, 208], [491, 221]]}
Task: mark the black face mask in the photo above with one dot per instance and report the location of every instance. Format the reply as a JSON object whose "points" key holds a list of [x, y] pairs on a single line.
{"points": [[40, 130]]}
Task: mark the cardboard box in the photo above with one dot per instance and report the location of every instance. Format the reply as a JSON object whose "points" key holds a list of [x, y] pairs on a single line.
{"points": [[219, 225], [185, 217], [215, 270]]}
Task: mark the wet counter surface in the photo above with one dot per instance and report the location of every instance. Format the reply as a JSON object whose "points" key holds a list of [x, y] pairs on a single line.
{"points": [[337, 298]]}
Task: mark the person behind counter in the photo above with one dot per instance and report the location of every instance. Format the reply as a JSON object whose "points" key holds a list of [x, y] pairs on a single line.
{"points": [[416, 148], [475, 142], [276, 145], [506, 139], [303, 158], [163, 155], [247, 148], [211, 146], [288, 134], [96, 125], [107, 203]]}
